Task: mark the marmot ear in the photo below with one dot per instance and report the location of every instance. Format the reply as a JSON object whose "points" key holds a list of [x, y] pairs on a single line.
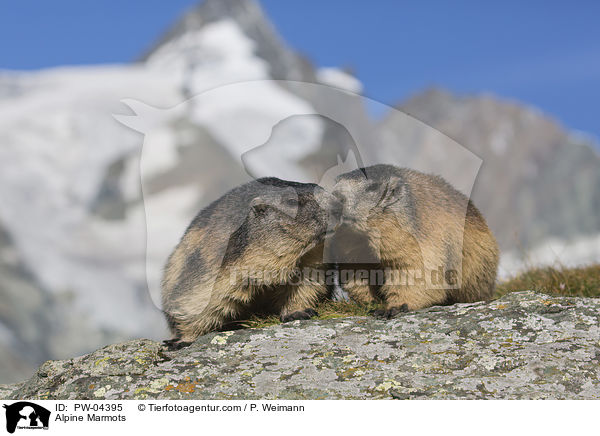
{"points": [[396, 188], [259, 206], [260, 209]]}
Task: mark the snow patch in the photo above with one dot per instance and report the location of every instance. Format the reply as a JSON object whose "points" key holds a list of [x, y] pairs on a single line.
{"points": [[552, 252], [339, 79]]}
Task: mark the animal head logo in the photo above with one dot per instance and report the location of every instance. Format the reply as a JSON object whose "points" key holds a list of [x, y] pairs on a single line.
{"points": [[205, 146], [26, 415]]}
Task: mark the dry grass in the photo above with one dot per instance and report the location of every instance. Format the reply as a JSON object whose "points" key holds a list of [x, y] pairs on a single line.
{"points": [[326, 310], [575, 282]]}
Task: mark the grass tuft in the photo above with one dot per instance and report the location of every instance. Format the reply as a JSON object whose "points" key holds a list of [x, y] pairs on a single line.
{"points": [[326, 310], [574, 282]]}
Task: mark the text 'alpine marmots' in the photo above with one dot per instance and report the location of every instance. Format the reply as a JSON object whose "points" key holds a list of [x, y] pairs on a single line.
{"points": [[240, 255], [416, 240]]}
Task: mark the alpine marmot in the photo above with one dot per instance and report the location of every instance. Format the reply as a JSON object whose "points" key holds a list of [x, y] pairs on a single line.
{"points": [[411, 240], [242, 255]]}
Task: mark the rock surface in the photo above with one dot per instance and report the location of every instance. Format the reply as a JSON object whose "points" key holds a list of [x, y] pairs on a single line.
{"points": [[525, 345]]}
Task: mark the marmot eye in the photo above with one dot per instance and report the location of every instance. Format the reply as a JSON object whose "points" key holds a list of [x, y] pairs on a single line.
{"points": [[292, 202]]}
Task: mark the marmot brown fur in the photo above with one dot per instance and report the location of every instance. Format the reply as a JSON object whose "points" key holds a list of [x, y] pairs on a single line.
{"points": [[400, 223], [241, 254]]}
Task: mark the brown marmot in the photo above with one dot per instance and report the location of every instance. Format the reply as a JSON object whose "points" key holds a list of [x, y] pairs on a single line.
{"points": [[242, 255], [410, 239]]}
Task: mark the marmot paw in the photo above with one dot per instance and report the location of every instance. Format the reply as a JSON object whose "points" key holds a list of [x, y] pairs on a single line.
{"points": [[391, 312], [299, 314], [175, 344]]}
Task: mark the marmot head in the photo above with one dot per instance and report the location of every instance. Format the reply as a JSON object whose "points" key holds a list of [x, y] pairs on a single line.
{"points": [[381, 195], [290, 217], [376, 203]]}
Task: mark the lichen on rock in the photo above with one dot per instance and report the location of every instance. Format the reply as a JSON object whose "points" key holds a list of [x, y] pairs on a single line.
{"points": [[525, 345]]}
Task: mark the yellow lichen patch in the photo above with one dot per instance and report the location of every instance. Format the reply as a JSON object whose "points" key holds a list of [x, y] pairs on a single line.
{"points": [[144, 357], [100, 393], [157, 385], [139, 391], [350, 373], [221, 339], [101, 361], [387, 385], [349, 359], [91, 386]]}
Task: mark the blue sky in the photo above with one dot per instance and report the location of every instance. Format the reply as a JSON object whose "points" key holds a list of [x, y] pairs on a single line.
{"points": [[546, 54]]}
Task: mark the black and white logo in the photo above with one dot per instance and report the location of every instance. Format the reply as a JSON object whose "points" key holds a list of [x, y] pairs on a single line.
{"points": [[26, 415]]}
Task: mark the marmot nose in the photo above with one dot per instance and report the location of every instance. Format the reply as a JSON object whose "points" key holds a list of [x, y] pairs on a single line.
{"points": [[348, 220], [336, 208]]}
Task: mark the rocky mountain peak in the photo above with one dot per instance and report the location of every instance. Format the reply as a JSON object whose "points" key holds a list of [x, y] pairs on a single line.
{"points": [[249, 18]]}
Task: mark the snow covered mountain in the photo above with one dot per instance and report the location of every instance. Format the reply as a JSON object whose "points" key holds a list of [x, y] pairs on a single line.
{"points": [[90, 206]]}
